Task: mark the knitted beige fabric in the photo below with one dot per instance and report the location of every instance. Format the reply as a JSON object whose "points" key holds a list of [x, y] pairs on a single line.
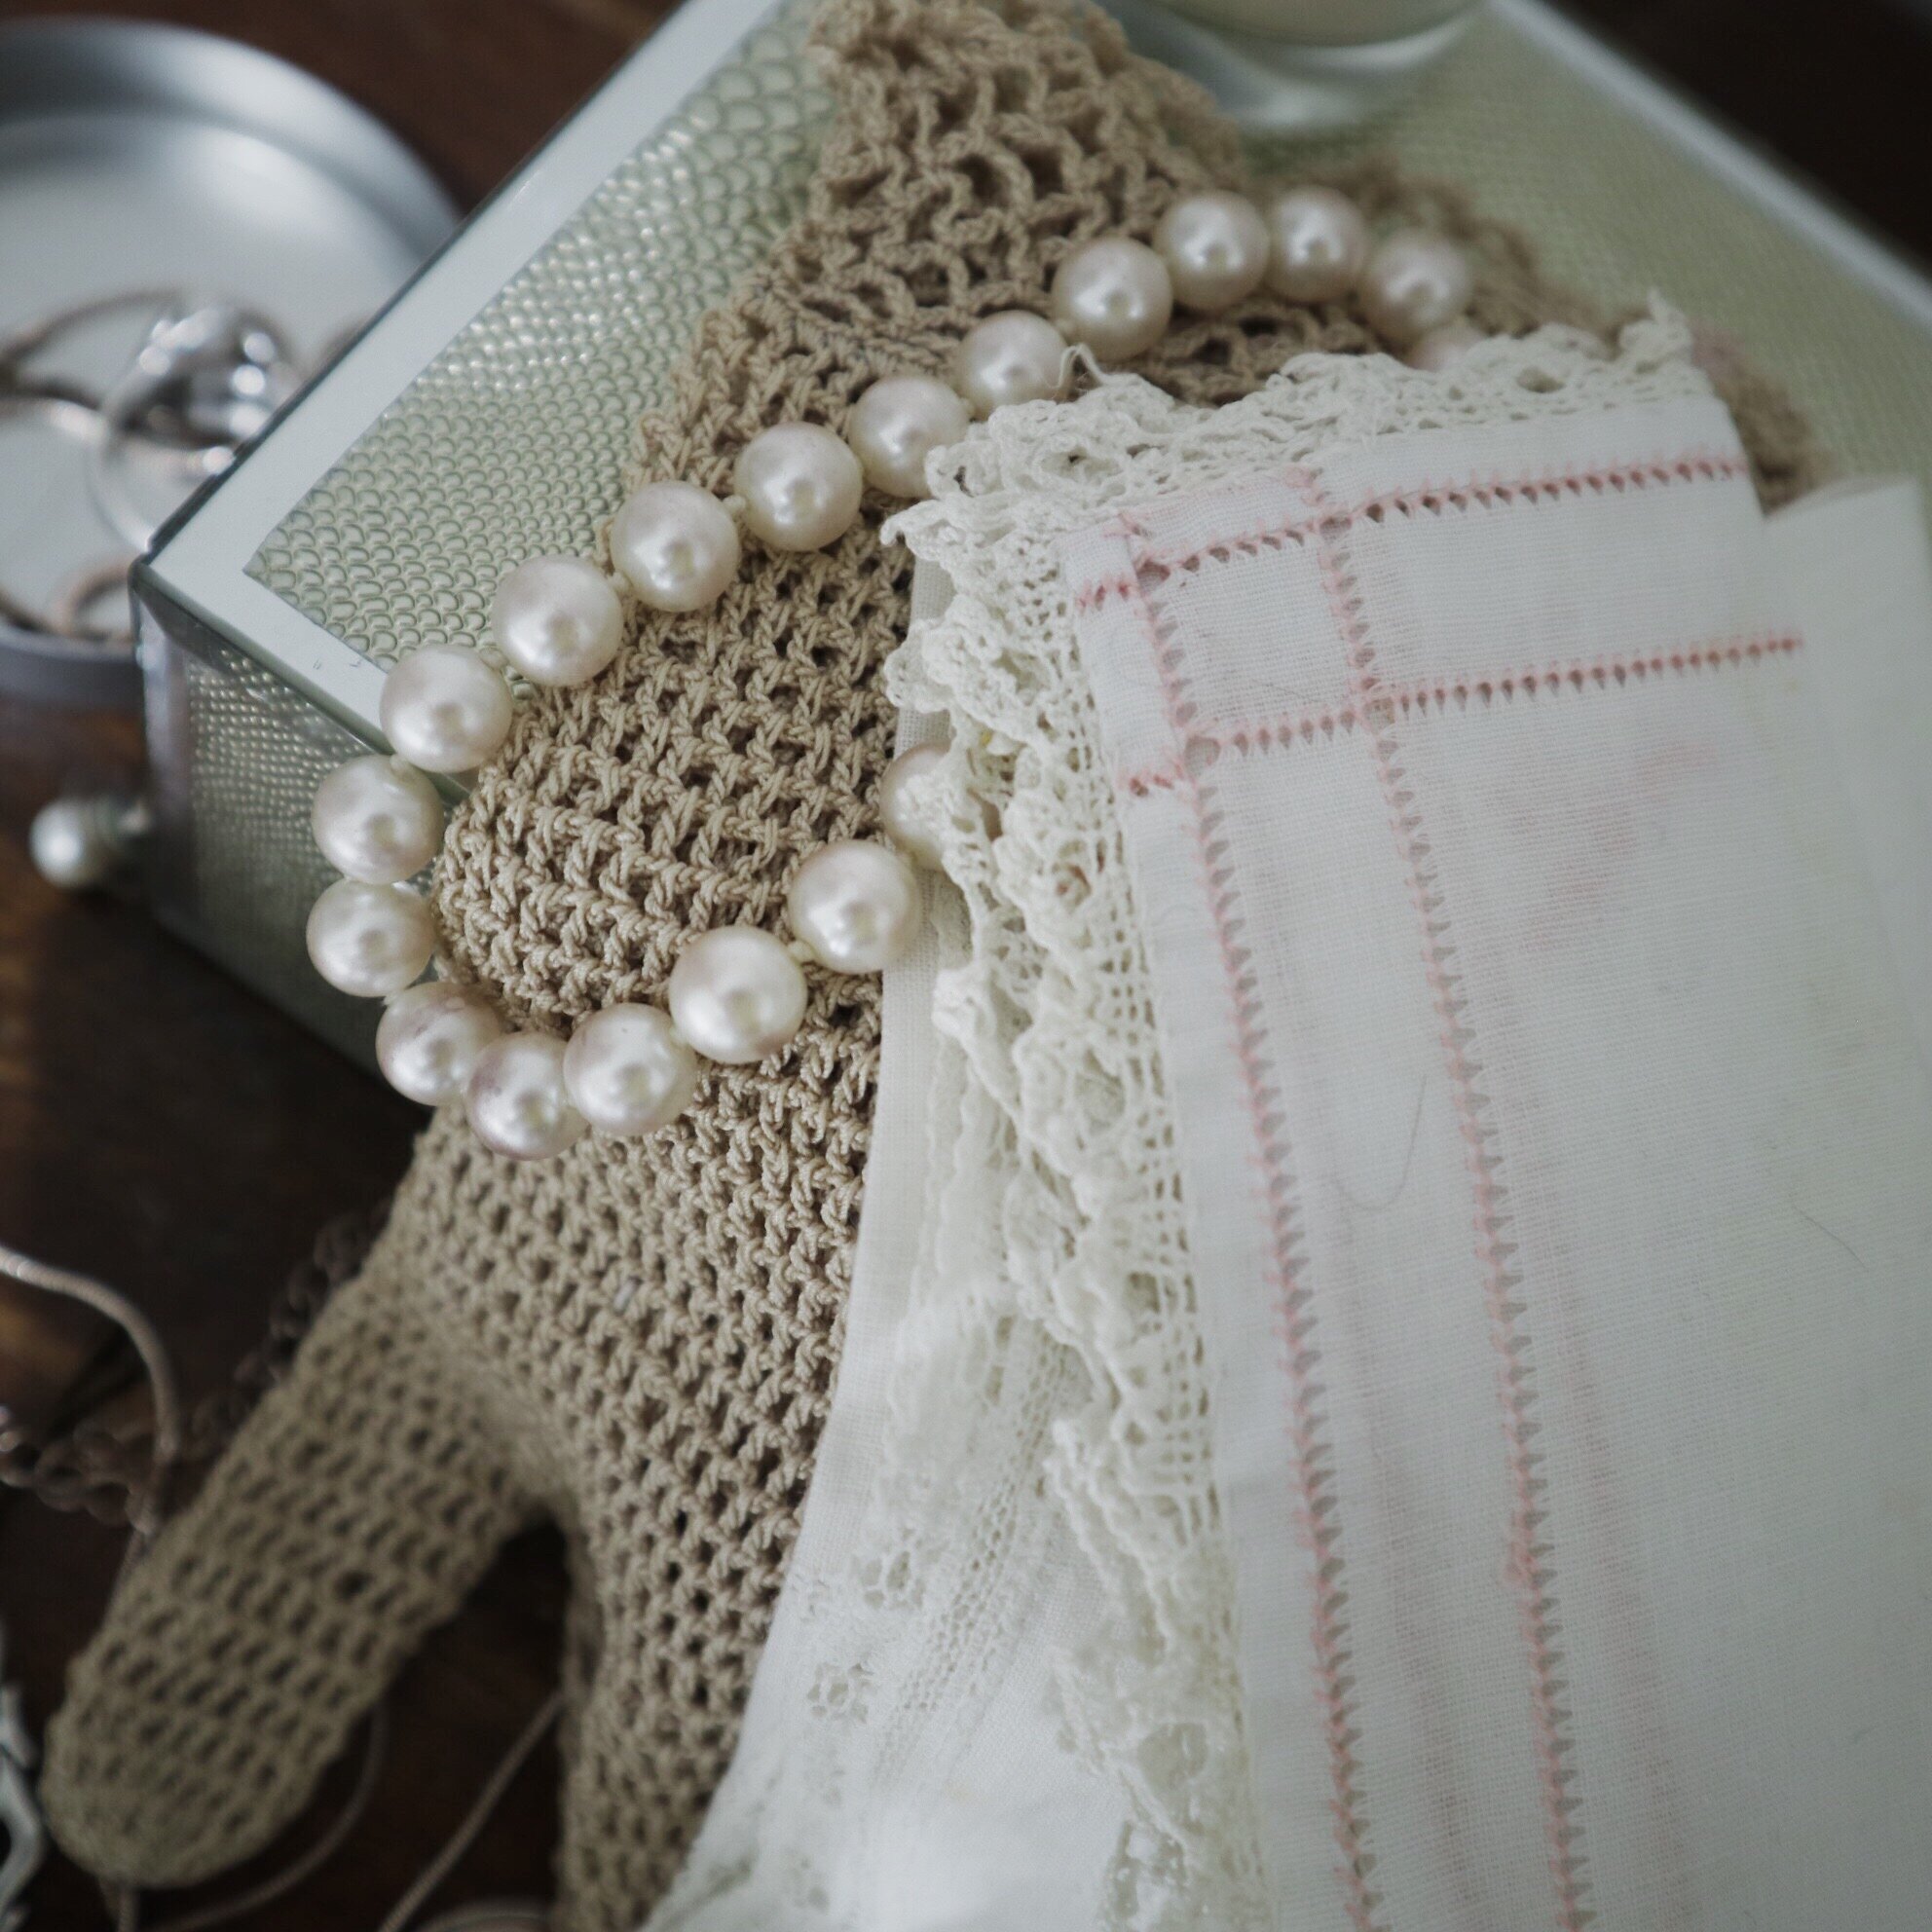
{"points": [[640, 1340]]}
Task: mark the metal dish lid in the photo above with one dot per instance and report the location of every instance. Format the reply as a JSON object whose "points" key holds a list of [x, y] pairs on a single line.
{"points": [[144, 161]]}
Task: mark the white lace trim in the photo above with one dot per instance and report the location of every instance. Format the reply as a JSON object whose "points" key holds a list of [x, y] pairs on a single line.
{"points": [[1053, 1013]]}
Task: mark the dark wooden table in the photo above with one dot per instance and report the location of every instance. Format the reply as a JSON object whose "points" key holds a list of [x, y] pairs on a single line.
{"points": [[163, 1129]]}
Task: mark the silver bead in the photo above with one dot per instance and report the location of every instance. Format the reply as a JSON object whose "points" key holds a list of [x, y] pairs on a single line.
{"points": [[1414, 282], [856, 906], [377, 819], [897, 424], [627, 1071], [1442, 348], [676, 546], [516, 1100], [370, 940], [1115, 296], [1014, 357], [444, 709], [802, 486], [1318, 244], [737, 995], [910, 829], [429, 1037], [557, 620], [1215, 246]]}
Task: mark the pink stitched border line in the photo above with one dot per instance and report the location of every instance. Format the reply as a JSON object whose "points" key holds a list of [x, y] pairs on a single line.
{"points": [[1485, 492], [1257, 735], [1317, 1514], [1530, 1567]]}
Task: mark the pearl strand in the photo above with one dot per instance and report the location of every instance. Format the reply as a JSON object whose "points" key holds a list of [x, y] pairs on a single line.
{"points": [[737, 994]]}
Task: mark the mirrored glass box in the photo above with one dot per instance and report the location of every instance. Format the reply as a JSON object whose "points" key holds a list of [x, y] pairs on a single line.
{"points": [[486, 415]]}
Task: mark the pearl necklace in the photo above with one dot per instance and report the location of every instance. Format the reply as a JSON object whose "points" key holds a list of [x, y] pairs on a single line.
{"points": [[737, 994]]}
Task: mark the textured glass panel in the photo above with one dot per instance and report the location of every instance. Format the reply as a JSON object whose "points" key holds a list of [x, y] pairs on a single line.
{"points": [[238, 754], [513, 441]]}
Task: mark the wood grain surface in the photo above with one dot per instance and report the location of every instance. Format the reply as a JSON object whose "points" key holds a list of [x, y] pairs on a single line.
{"points": [[164, 1129]]}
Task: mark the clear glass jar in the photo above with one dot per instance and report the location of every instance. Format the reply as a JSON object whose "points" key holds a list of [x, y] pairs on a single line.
{"points": [[1297, 66], [1325, 22]]}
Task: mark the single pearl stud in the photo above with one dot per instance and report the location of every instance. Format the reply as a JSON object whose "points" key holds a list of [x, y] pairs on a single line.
{"points": [[856, 906], [737, 995], [910, 829], [444, 709], [429, 1037], [1414, 282], [1319, 243], [897, 424], [802, 486], [675, 546], [377, 819], [517, 1101], [1014, 357], [557, 620], [370, 940], [1442, 348], [79, 844], [1115, 296], [627, 1071], [1215, 246]]}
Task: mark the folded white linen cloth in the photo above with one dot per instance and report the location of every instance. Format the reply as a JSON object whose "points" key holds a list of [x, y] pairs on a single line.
{"points": [[1853, 565], [1389, 1351]]}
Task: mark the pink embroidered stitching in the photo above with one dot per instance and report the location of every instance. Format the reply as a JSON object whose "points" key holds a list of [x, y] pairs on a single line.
{"points": [[1317, 1514], [1094, 596], [1255, 736], [1435, 499], [1530, 1567]]}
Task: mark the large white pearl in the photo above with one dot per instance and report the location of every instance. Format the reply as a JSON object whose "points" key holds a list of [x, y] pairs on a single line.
{"points": [[558, 621], [517, 1101], [1442, 348], [627, 1071], [856, 906], [377, 819], [1115, 296], [429, 1037], [897, 424], [802, 486], [676, 546], [1415, 282], [370, 940], [1318, 244], [444, 709], [1215, 246], [907, 827], [1014, 357], [737, 995]]}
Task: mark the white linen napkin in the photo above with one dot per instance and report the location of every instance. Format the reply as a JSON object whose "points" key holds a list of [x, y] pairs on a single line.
{"points": [[1560, 1169], [1855, 568]]}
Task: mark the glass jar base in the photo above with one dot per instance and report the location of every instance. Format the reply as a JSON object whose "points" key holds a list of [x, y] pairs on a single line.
{"points": [[1273, 85]]}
